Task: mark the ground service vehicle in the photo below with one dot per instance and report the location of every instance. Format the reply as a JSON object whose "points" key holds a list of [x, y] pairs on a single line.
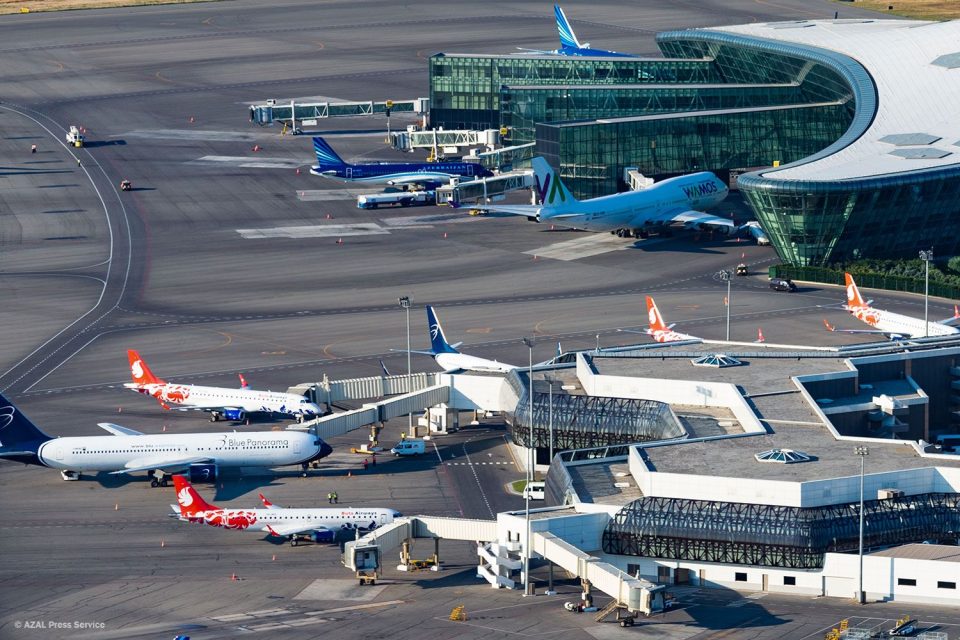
{"points": [[782, 284], [74, 137], [409, 447], [742, 269], [536, 490], [399, 198]]}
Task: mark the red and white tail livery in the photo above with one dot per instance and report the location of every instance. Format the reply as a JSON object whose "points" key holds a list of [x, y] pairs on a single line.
{"points": [[319, 525], [659, 330], [219, 402], [893, 325]]}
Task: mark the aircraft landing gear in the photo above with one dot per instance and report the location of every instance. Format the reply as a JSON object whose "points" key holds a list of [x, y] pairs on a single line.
{"points": [[214, 416], [68, 475], [303, 469], [158, 479], [293, 541]]}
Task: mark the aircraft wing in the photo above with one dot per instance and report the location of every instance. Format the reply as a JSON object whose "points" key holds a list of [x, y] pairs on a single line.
{"points": [[422, 178], [117, 430], [698, 218], [159, 462], [294, 529], [889, 334]]}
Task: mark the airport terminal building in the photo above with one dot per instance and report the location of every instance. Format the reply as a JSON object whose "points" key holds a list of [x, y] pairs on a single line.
{"points": [[842, 134]]}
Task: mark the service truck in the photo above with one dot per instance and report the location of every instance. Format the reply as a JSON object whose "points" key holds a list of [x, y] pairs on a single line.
{"points": [[397, 198]]}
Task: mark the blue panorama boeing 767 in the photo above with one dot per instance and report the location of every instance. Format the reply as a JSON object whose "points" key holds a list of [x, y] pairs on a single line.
{"points": [[427, 174]]}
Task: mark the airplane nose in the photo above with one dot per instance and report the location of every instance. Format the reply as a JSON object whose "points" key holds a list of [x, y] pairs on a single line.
{"points": [[325, 450], [397, 514]]}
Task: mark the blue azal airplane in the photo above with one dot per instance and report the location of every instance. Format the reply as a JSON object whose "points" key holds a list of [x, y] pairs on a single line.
{"points": [[571, 46], [426, 174]]}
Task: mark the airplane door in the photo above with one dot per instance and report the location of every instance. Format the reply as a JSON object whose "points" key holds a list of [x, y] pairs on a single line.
{"points": [[349, 172], [296, 446], [58, 453]]}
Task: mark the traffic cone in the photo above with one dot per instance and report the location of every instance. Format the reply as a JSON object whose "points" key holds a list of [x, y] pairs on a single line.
{"points": [[535, 257], [274, 559], [233, 576], [298, 170], [164, 428], [339, 240], [328, 216], [191, 120], [116, 507], [119, 409], [163, 544], [256, 147], [349, 474], [760, 337], [444, 235]]}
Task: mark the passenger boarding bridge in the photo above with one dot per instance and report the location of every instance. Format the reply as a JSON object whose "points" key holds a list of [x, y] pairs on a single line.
{"points": [[306, 114]]}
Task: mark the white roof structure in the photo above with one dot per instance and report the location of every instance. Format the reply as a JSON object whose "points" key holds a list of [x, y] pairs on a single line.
{"points": [[915, 67]]}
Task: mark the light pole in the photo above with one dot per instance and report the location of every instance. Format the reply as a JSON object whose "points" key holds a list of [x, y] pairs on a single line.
{"points": [[526, 543], [404, 302], [926, 256], [727, 276], [862, 452]]}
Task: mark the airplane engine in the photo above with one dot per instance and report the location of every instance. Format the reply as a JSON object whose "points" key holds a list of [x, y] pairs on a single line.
{"points": [[322, 536], [238, 415], [203, 472]]}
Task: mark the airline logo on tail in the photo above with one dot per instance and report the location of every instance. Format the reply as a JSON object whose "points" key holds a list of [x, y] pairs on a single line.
{"points": [[6, 418], [552, 184], [854, 299], [653, 315], [325, 153], [184, 497]]}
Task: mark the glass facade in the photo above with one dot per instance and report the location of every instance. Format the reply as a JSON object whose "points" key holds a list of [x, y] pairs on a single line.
{"points": [[465, 89], [522, 107], [591, 156], [771, 535]]}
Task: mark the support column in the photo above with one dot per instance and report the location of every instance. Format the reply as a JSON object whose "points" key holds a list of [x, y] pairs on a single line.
{"points": [[436, 555], [587, 595], [404, 556]]}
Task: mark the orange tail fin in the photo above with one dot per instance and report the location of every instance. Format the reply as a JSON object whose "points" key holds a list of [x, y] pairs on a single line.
{"points": [[140, 371], [654, 317], [854, 299], [189, 500]]}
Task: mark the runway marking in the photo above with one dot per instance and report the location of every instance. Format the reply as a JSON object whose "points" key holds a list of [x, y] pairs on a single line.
{"points": [[437, 218], [592, 244], [248, 162], [325, 195], [472, 464], [188, 134], [315, 231]]}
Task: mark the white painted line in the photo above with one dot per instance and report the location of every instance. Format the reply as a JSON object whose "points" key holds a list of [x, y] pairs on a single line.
{"points": [[250, 162], [428, 219], [160, 135], [315, 231], [584, 246], [439, 457]]}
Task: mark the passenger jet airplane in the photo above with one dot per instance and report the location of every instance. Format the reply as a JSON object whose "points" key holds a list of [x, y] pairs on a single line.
{"points": [[679, 199], [893, 325], [570, 45], [427, 174], [318, 525], [659, 330], [219, 402], [129, 451], [449, 358]]}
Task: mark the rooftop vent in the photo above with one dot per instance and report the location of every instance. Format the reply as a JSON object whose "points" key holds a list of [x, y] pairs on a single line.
{"points": [[782, 456], [921, 154], [901, 139], [950, 61], [715, 360]]}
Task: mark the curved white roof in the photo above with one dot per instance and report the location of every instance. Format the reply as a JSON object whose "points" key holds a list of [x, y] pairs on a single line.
{"points": [[918, 93]]}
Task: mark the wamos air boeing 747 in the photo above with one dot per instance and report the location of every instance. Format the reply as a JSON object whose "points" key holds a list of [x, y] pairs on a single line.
{"points": [[129, 451], [675, 200]]}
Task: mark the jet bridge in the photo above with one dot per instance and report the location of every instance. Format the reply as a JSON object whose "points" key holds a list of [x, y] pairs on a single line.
{"points": [[483, 190], [306, 114], [444, 141]]}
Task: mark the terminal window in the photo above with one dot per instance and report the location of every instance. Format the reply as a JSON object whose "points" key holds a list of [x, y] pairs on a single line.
{"points": [[946, 585], [790, 581], [906, 582], [740, 577]]}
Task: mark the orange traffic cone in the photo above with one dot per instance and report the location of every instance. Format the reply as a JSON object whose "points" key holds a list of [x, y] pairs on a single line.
{"points": [[349, 474], [164, 427], [274, 559], [233, 576], [191, 120], [339, 240], [328, 216], [444, 235], [760, 337], [256, 147], [298, 170], [119, 409], [163, 543]]}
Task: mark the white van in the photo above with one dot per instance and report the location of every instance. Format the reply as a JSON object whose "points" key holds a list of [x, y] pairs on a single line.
{"points": [[409, 447], [536, 490]]}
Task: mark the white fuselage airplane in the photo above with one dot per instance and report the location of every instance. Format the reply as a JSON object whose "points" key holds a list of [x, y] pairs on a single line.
{"points": [[129, 451], [888, 323], [675, 200], [220, 402], [659, 330], [319, 525], [449, 358]]}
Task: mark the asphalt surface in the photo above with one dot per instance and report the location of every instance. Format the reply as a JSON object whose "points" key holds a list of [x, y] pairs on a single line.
{"points": [[87, 272]]}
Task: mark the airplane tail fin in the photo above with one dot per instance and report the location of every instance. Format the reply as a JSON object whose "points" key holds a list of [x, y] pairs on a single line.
{"points": [[140, 371], [189, 500], [325, 153], [20, 439], [568, 39], [438, 341], [854, 299], [554, 195], [654, 317]]}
